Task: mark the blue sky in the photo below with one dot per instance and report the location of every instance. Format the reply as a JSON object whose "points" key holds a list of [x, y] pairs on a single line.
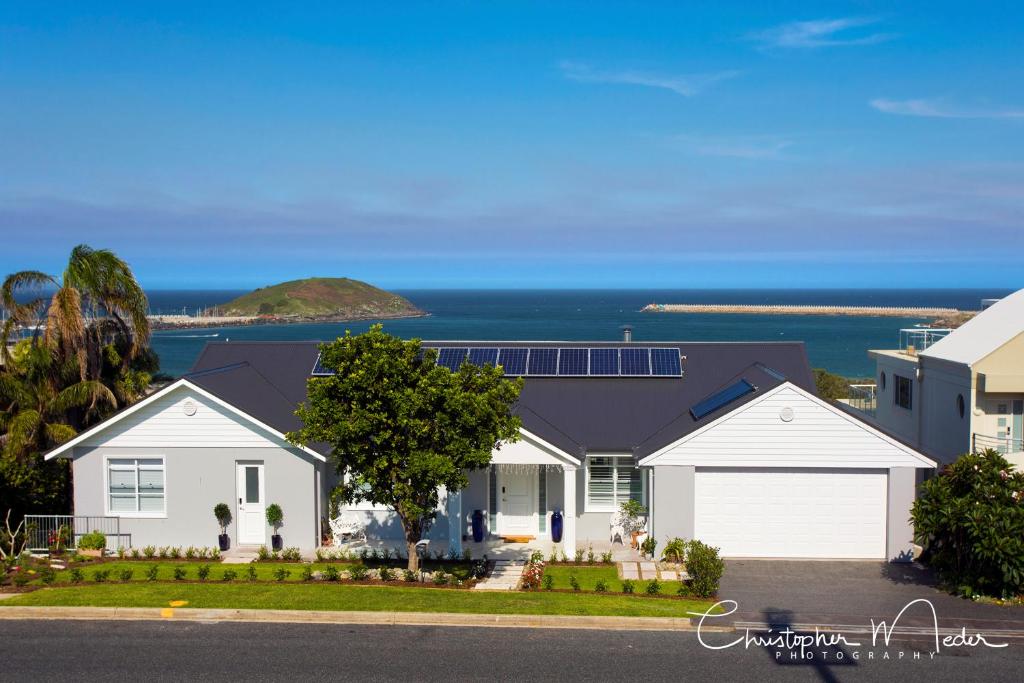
{"points": [[784, 144]]}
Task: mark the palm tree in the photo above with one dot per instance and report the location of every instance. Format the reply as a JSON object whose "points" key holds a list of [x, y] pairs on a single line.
{"points": [[97, 300]]}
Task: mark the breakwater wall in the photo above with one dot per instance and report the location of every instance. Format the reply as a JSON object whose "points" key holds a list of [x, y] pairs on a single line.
{"points": [[789, 309]]}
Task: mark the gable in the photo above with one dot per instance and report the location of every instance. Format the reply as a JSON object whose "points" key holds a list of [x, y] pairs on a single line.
{"points": [[816, 435], [530, 450]]}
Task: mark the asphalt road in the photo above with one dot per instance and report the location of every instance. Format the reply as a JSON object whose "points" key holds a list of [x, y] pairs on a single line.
{"points": [[108, 650]]}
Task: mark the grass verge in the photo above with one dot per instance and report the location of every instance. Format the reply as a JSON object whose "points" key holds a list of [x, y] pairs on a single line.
{"points": [[589, 576]]}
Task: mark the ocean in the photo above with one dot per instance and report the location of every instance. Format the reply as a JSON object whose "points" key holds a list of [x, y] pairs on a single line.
{"points": [[837, 343]]}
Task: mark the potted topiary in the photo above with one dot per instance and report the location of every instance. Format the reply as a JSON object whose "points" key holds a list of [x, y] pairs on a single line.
{"points": [[223, 514], [93, 544], [275, 517]]}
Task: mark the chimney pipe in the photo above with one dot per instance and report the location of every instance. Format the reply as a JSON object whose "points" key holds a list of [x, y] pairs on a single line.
{"points": [[627, 333]]}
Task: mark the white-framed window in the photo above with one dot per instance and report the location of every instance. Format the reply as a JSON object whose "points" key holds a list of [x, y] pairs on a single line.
{"points": [[611, 481], [136, 487]]}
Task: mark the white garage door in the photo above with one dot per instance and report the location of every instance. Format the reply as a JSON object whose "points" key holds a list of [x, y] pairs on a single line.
{"points": [[765, 512]]}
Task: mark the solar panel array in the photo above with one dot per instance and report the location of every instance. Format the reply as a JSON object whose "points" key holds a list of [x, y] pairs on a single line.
{"points": [[722, 398], [519, 361], [319, 370]]}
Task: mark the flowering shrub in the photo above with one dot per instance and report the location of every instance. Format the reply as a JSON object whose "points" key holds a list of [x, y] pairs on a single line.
{"points": [[970, 521], [532, 576]]}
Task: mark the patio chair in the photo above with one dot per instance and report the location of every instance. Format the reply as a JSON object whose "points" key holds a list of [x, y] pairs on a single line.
{"points": [[617, 528], [347, 528]]}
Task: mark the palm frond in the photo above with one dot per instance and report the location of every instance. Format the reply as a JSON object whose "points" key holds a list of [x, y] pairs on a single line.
{"points": [[57, 433], [87, 394], [22, 432], [106, 280], [24, 280], [65, 325]]}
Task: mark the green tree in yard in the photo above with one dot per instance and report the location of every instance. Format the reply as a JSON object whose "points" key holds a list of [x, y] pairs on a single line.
{"points": [[401, 426], [970, 521], [831, 386]]}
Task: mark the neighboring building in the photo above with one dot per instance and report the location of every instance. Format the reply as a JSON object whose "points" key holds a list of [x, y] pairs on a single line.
{"points": [[951, 393], [726, 442]]}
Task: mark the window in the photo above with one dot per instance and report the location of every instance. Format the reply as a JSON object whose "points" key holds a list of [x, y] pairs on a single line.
{"points": [[135, 486], [611, 481], [904, 392]]}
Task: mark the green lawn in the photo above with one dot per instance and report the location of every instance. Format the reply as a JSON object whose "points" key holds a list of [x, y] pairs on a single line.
{"points": [[589, 576], [331, 596]]}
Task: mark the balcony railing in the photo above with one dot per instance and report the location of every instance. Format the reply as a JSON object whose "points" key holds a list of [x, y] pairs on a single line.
{"points": [[864, 397], [915, 339], [1003, 444], [43, 530]]}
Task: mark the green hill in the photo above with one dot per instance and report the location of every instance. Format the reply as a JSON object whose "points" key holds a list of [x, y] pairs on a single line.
{"points": [[322, 298]]}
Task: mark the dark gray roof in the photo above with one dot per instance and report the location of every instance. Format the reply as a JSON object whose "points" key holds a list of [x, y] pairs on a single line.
{"points": [[579, 415]]}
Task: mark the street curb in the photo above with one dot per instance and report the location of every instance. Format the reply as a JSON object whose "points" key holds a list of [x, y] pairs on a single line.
{"points": [[359, 618], [861, 629]]}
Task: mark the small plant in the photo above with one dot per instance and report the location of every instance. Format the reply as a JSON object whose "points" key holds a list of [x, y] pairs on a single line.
{"points": [[96, 540], [214, 553], [291, 554], [136, 554], [163, 552], [385, 554], [320, 555], [364, 554], [307, 572], [251, 572], [628, 587], [175, 553], [574, 583], [125, 575], [281, 573], [684, 589], [564, 558], [549, 582], [440, 578], [409, 576], [223, 514], [229, 575], [21, 579], [358, 572], [649, 545], [532, 576], [100, 575], [152, 572], [454, 581], [467, 555], [536, 556], [578, 558], [590, 554], [190, 553], [331, 573], [120, 552], [180, 573], [203, 572], [600, 586], [675, 550], [653, 587], [148, 552], [47, 575], [263, 554], [386, 574], [275, 518], [553, 557], [606, 558], [76, 575]]}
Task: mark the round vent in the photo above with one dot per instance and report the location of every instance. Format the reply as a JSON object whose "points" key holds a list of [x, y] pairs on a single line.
{"points": [[787, 414], [189, 408]]}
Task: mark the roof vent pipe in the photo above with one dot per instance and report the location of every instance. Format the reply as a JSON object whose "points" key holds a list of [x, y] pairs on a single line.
{"points": [[627, 333]]}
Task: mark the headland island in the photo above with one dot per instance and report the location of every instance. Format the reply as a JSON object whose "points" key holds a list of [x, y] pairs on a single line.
{"points": [[318, 299]]}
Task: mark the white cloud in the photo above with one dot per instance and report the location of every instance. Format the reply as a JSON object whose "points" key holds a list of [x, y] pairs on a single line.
{"points": [[821, 33], [687, 85], [934, 108]]}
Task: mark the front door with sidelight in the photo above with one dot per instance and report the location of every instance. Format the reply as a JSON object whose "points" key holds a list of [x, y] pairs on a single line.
{"points": [[252, 524], [517, 506]]}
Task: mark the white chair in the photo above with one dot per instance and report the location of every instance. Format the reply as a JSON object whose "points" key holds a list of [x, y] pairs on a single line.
{"points": [[347, 528], [617, 530]]}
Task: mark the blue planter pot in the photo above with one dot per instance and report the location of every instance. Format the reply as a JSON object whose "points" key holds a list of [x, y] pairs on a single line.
{"points": [[556, 526], [478, 526]]}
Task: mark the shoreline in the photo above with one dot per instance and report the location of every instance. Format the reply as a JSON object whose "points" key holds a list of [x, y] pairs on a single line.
{"points": [[164, 323]]}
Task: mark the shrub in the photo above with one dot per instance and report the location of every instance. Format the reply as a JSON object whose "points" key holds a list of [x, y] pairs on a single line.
{"points": [[100, 575], [549, 582], [307, 572], [628, 586], [454, 581], [532, 575], [203, 572], [440, 578], [536, 556], [291, 554], [282, 573], [229, 575], [970, 522], [180, 573], [149, 551], [125, 575], [22, 578], [574, 582], [331, 573], [263, 554], [163, 552], [675, 550], [600, 586], [93, 541], [705, 568], [47, 575], [684, 589], [223, 514], [275, 516], [76, 575], [831, 387], [152, 572], [606, 558], [358, 572], [590, 554], [175, 553], [190, 553], [653, 587], [649, 545], [553, 557], [386, 574], [385, 554], [409, 576], [321, 555], [120, 552], [136, 554], [250, 573], [578, 557], [214, 553], [364, 554]]}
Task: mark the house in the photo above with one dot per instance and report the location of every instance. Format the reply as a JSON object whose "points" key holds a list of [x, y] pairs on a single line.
{"points": [[949, 394], [726, 442]]}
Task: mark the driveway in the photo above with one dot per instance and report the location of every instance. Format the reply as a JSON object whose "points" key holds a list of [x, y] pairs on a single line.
{"points": [[851, 593]]}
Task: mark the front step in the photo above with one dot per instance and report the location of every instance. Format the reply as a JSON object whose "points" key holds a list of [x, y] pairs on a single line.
{"points": [[504, 577]]}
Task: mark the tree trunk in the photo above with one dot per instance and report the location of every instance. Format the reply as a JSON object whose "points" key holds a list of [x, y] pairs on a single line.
{"points": [[414, 559]]}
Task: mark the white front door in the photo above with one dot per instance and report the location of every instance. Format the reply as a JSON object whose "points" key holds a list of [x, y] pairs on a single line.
{"points": [[517, 503], [252, 522]]}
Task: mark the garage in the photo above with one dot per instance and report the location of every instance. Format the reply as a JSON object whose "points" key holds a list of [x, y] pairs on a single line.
{"points": [[792, 512]]}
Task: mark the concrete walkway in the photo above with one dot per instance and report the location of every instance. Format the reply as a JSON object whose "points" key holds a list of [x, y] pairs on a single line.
{"points": [[504, 577]]}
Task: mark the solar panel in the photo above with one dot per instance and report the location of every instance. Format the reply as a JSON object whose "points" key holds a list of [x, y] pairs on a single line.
{"points": [[722, 398], [572, 362], [483, 356], [604, 361], [451, 358], [513, 361], [543, 362], [319, 370], [635, 362], [665, 362]]}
